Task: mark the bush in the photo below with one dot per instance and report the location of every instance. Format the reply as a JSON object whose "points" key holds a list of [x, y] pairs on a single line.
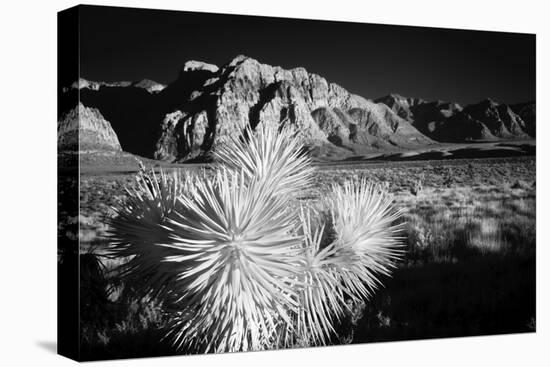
{"points": [[238, 263]]}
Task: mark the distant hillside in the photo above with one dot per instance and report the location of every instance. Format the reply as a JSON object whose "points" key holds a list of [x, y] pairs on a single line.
{"points": [[527, 112], [450, 122]]}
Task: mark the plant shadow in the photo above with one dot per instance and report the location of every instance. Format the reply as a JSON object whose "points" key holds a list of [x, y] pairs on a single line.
{"points": [[486, 295], [50, 346]]}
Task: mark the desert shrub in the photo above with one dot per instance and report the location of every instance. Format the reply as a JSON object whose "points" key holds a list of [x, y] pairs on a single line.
{"points": [[94, 289], [416, 187], [448, 178], [238, 263], [520, 184]]}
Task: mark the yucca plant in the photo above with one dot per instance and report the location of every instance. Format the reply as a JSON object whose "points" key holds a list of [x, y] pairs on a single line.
{"points": [[277, 157], [321, 297], [136, 231], [366, 240], [238, 263]]}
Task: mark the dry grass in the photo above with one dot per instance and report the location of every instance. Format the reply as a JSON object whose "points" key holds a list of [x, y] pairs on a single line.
{"points": [[451, 224], [469, 267]]}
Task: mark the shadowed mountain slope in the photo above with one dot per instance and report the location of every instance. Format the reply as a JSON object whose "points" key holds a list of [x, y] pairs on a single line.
{"points": [[450, 122]]}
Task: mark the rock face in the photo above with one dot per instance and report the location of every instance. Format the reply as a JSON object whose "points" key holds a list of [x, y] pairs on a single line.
{"points": [[215, 104], [402, 106], [527, 112], [193, 65], [146, 84], [149, 85], [181, 132], [134, 113], [449, 122], [85, 129]]}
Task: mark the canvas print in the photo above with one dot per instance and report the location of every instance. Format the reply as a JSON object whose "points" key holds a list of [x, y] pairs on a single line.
{"points": [[232, 183]]}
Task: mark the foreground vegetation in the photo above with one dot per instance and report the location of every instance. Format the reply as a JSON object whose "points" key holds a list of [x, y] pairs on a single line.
{"points": [[469, 268]]}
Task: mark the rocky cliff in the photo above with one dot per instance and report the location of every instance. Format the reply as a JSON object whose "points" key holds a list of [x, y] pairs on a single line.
{"points": [[217, 103], [85, 129], [146, 84]]}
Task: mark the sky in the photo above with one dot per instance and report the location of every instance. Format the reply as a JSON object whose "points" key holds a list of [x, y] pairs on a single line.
{"points": [[370, 60]]}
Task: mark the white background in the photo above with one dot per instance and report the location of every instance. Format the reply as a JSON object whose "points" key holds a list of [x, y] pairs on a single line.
{"points": [[28, 182]]}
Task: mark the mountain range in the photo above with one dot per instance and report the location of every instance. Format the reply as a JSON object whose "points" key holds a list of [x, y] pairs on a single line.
{"points": [[187, 119]]}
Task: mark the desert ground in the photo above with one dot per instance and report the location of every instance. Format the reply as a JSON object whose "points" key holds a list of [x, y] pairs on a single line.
{"points": [[468, 269]]}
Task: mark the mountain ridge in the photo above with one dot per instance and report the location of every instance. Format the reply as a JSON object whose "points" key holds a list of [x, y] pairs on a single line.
{"points": [[450, 122], [206, 105], [147, 84]]}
